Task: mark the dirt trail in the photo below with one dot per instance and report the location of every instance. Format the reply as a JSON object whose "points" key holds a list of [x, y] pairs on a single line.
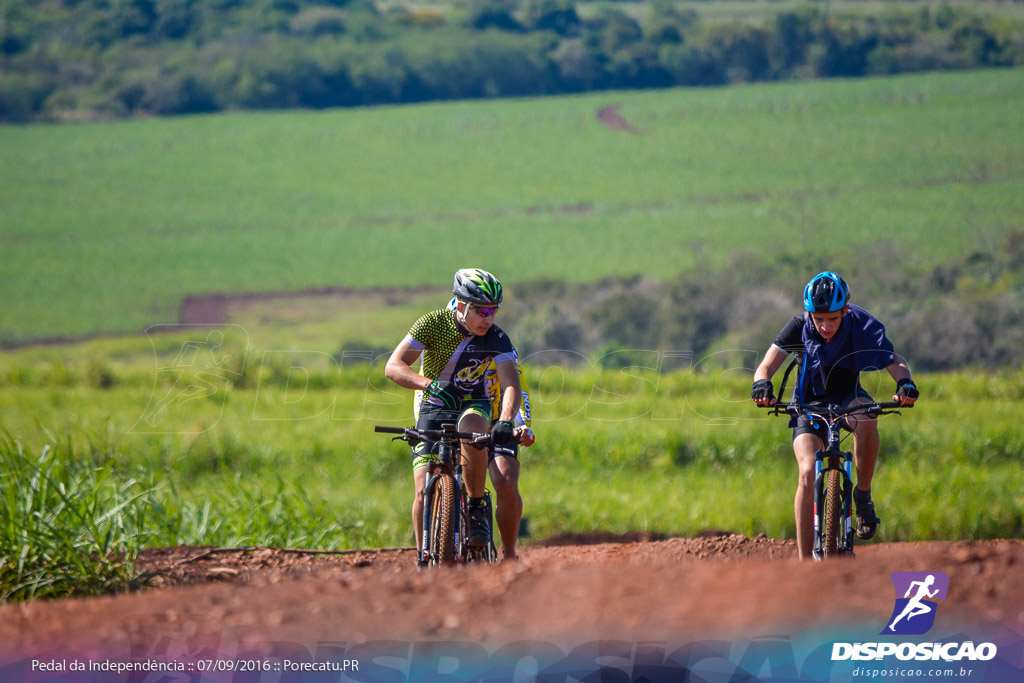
{"points": [[649, 589]]}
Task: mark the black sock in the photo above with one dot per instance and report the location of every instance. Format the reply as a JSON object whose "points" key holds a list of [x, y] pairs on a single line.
{"points": [[476, 502], [860, 496]]}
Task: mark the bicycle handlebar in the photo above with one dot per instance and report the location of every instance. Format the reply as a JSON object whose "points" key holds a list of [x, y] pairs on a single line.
{"points": [[433, 434], [389, 430], [795, 409]]}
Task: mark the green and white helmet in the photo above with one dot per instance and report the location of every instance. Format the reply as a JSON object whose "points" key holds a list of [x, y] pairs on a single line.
{"points": [[477, 287]]}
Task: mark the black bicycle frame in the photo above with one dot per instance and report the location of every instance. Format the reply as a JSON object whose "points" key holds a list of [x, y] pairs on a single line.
{"points": [[823, 464], [830, 458], [448, 463]]}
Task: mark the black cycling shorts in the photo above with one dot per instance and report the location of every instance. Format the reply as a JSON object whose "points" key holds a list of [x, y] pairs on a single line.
{"points": [[432, 417], [806, 425]]}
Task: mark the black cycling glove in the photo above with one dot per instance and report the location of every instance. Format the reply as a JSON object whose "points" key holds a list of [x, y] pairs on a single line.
{"points": [[446, 392], [502, 433], [905, 388], [762, 390]]}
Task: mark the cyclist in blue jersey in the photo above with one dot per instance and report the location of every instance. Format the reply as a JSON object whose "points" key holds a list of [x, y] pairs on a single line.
{"points": [[457, 348], [834, 342]]}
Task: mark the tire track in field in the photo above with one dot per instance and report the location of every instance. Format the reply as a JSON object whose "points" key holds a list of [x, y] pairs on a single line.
{"points": [[610, 117]]}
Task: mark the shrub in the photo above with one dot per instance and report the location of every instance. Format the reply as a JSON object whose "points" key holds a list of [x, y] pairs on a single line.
{"points": [[67, 526], [318, 21]]}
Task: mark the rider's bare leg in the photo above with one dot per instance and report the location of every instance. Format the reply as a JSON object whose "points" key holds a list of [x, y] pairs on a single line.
{"points": [[865, 447], [508, 504], [804, 447], [474, 459], [419, 479]]}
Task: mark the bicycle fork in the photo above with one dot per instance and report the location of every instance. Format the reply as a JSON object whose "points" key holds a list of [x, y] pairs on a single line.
{"points": [[428, 503], [848, 503], [821, 470]]}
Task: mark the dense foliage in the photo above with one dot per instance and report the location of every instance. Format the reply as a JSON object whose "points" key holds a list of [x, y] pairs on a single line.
{"points": [[965, 313], [67, 59]]}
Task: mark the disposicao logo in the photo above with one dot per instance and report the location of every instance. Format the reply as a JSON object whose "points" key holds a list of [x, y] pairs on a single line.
{"points": [[914, 612], [917, 596]]}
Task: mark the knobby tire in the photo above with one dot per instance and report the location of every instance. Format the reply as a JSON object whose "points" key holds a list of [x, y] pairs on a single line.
{"points": [[833, 514], [442, 522]]}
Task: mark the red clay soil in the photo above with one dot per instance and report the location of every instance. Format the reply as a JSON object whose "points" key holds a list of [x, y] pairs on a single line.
{"points": [[687, 587]]}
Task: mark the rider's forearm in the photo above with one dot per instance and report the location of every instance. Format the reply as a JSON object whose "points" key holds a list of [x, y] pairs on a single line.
{"points": [[510, 400], [404, 376], [762, 373], [898, 370], [770, 364]]}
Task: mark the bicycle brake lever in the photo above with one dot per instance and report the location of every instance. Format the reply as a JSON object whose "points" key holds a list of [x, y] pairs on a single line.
{"points": [[410, 438]]}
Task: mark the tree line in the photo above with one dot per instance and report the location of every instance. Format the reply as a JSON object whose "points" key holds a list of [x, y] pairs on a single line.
{"points": [[968, 312], [75, 59]]}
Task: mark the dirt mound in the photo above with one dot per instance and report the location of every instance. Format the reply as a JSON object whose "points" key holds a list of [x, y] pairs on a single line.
{"points": [[720, 583]]}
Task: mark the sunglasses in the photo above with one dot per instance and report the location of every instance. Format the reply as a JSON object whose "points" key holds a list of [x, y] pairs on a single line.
{"points": [[485, 312]]}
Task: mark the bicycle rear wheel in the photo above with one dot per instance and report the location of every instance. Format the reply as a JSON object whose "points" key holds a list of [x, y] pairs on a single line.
{"points": [[831, 544], [442, 522]]}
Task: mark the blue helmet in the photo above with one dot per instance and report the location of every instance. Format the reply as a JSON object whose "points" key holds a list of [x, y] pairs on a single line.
{"points": [[826, 293]]}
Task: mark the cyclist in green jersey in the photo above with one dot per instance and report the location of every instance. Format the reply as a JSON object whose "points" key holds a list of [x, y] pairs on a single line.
{"points": [[457, 346], [504, 462]]}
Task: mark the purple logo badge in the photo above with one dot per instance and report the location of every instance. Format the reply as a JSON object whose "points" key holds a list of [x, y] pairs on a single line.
{"points": [[917, 596]]}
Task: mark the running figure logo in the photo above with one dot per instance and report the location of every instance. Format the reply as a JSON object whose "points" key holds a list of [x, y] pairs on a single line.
{"points": [[192, 382], [914, 613]]}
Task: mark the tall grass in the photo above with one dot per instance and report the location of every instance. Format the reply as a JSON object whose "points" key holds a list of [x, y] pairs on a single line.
{"points": [[264, 511], [281, 458], [616, 451], [67, 525], [72, 522]]}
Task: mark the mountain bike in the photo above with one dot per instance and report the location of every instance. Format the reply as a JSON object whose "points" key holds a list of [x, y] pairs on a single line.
{"points": [[445, 498], [833, 470]]}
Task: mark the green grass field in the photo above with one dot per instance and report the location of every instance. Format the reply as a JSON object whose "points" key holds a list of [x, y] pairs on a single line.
{"points": [[107, 226], [616, 451]]}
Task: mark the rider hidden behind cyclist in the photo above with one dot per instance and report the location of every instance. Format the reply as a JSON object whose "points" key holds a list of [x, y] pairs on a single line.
{"points": [[834, 341], [457, 347], [504, 465]]}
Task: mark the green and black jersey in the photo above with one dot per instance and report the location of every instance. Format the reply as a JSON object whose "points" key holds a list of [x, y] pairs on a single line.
{"points": [[451, 353]]}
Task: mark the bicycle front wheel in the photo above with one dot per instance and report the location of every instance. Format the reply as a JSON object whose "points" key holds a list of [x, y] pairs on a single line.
{"points": [[442, 522], [833, 514]]}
